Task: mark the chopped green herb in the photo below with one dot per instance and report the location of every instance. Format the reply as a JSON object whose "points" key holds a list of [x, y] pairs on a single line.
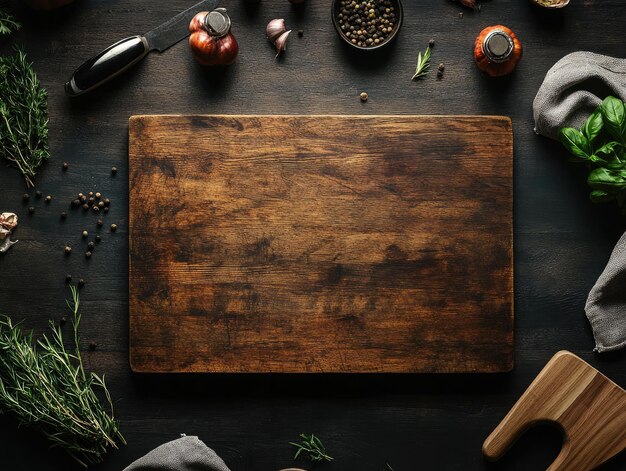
{"points": [[312, 446], [423, 64]]}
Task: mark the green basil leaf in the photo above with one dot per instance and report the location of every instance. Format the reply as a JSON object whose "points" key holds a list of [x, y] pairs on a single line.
{"points": [[597, 160], [575, 142], [614, 115], [599, 196], [607, 148], [607, 180], [593, 126]]}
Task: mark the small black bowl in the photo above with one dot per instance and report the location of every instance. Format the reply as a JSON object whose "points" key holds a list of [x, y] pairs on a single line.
{"points": [[399, 12]]}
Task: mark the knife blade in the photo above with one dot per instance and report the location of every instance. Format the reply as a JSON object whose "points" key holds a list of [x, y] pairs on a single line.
{"points": [[122, 55]]}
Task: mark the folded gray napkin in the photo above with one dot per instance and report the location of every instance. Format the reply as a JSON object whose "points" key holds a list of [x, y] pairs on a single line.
{"points": [[573, 89], [184, 454], [606, 305]]}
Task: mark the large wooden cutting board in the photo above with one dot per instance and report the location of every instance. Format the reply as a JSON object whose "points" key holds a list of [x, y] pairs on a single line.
{"points": [[321, 244]]}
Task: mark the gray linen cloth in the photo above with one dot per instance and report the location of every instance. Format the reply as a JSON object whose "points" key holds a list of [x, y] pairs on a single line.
{"points": [[572, 89], [184, 454], [606, 305]]}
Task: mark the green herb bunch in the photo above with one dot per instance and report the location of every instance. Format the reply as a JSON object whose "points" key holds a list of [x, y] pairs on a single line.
{"points": [[23, 116], [312, 446], [8, 24], [601, 143], [45, 386]]}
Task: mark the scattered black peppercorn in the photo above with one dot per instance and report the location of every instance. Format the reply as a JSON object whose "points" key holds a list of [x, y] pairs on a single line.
{"points": [[75, 203], [300, 33], [65, 166], [81, 283], [100, 204], [90, 246], [86, 207], [107, 201], [113, 227], [68, 278], [106, 209], [38, 194], [93, 346], [98, 238], [80, 195], [31, 210], [95, 208], [91, 200], [85, 234], [441, 67], [26, 197], [83, 199], [63, 320], [364, 97], [88, 254], [100, 222], [98, 195], [63, 215], [90, 193], [48, 199], [431, 43], [440, 74], [68, 250], [113, 170]]}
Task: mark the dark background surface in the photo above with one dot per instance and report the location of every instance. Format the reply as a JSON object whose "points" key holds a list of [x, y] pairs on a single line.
{"points": [[413, 422]]}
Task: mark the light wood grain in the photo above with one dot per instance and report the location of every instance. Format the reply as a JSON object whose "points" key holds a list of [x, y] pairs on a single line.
{"points": [[321, 244], [586, 405]]}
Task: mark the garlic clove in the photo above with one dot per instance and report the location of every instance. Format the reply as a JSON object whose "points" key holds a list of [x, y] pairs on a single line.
{"points": [[281, 42], [275, 29]]}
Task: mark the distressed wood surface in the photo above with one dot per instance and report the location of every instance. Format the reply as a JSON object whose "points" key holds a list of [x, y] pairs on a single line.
{"points": [[425, 422], [321, 244], [589, 408]]}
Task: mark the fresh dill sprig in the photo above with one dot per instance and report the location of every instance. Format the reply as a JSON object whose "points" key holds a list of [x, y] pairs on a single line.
{"points": [[23, 116], [8, 24], [312, 446], [423, 64], [44, 385]]}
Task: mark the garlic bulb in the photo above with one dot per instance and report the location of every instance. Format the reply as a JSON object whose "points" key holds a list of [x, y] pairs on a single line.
{"points": [[275, 29]]}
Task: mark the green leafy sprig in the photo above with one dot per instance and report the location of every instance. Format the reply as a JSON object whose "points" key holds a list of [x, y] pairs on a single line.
{"points": [[313, 447], [45, 386], [8, 24], [601, 144], [23, 116], [423, 64]]}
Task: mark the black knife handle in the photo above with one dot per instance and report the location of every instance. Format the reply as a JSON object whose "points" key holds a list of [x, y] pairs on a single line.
{"points": [[109, 63]]}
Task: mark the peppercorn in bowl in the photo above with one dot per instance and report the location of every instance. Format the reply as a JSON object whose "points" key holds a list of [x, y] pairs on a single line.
{"points": [[367, 24]]}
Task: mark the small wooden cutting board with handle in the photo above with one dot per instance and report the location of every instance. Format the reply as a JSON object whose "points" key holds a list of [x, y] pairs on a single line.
{"points": [[588, 407], [321, 244]]}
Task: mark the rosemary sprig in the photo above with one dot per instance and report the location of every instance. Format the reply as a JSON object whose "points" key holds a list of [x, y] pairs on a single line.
{"points": [[8, 23], [312, 446], [23, 116], [423, 64], [44, 385]]}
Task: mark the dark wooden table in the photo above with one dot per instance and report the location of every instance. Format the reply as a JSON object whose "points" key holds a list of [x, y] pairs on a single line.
{"points": [[412, 422]]}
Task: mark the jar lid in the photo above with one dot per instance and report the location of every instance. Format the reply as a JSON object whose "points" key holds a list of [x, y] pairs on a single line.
{"points": [[217, 22], [498, 46]]}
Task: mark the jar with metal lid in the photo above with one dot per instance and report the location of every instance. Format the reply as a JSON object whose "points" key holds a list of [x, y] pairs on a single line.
{"points": [[497, 50]]}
